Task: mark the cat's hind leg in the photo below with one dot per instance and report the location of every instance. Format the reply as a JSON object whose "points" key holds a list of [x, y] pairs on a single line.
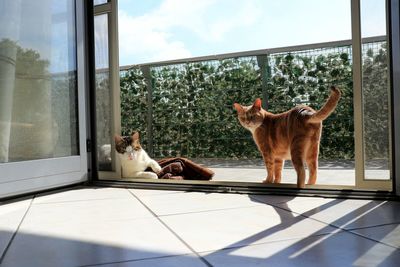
{"points": [[269, 165], [296, 151], [278, 165], [312, 170], [312, 162]]}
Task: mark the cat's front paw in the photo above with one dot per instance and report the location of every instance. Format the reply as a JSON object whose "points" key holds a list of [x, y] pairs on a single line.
{"points": [[156, 168], [152, 175]]}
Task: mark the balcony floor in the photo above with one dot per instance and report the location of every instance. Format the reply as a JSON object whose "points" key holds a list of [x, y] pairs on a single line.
{"points": [[330, 172], [87, 226]]}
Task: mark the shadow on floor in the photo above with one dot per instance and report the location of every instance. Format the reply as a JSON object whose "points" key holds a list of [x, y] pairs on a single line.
{"points": [[337, 248], [32, 250]]}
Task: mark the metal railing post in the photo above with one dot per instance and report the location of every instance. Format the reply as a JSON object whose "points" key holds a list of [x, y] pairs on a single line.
{"points": [[262, 62], [149, 84]]}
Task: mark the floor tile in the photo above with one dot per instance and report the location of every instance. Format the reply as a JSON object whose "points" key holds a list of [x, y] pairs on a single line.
{"points": [[75, 244], [332, 250], [167, 204], [83, 193], [242, 226], [387, 234], [87, 211], [110, 227], [277, 199], [346, 213], [174, 261], [150, 192], [11, 215]]}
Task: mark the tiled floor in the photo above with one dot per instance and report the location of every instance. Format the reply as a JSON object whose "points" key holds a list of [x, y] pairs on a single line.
{"points": [[130, 227]]}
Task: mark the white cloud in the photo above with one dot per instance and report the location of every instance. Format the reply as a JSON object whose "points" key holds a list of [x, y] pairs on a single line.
{"points": [[139, 39], [150, 37], [177, 29]]}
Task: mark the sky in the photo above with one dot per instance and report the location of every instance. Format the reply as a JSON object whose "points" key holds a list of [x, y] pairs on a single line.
{"points": [[157, 30]]}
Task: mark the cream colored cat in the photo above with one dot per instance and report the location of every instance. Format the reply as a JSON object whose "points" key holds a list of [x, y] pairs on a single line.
{"points": [[134, 160]]}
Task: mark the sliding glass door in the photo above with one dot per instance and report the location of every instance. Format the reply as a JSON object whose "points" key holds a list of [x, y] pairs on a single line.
{"points": [[179, 97], [371, 75], [42, 99]]}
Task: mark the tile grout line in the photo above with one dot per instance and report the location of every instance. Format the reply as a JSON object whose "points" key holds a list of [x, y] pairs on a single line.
{"points": [[16, 231], [78, 200], [275, 205], [371, 239], [349, 231], [172, 231], [372, 226], [212, 210], [264, 243]]}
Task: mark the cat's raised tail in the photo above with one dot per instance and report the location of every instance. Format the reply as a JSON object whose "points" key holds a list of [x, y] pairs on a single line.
{"points": [[328, 108]]}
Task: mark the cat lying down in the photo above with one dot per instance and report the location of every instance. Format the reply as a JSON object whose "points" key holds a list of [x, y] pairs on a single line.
{"points": [[134, 160], [136, 163], [294, 134]]}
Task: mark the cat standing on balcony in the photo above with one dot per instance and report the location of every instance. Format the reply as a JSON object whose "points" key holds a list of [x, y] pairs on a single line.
{"points": [[294, 134], [134, 160]]}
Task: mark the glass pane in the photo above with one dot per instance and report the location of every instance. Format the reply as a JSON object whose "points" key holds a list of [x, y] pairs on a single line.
{"points": [[192, 100], [38, 90], [375, 86], [103, 96], [99, 2]]}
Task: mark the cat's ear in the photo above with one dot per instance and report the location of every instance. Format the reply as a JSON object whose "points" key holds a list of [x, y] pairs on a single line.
{"points": [[117, 138], [257, 104], [135, 136], [238, 107]]}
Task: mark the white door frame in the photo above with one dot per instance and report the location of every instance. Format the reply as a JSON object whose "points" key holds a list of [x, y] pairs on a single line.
{"points": [[360, 181], [34, 175], [111, 9]]}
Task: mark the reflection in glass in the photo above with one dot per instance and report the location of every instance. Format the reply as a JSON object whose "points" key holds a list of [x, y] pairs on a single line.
{"points": [[103, 96], [99, 2], [38, 95], [375, 88]]}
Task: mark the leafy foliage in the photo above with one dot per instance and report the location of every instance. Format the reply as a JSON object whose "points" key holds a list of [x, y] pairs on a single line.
{"points": [[376, 104]]}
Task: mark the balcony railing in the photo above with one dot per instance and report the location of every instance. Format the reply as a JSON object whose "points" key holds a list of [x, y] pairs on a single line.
{"points": [[184, 107]]}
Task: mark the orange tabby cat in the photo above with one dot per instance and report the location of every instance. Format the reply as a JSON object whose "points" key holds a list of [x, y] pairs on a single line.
{"points": [[294, 134]]}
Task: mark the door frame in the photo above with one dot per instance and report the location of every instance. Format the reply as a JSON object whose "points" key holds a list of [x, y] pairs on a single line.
{"points": [[363, 186], [394, 40], [23, 177], [360, 181], [111, 10]]}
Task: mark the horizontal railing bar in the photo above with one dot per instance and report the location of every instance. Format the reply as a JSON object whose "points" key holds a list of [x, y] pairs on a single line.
{"points": [[255, 52], [102, 9]]}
